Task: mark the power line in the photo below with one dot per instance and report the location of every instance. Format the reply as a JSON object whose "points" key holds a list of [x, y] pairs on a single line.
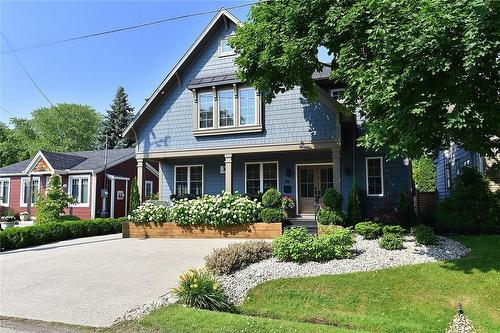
{"points": [[136, 26], [7, 111], [25, 70]]}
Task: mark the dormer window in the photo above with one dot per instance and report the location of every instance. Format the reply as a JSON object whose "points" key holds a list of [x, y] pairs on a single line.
{"points": [[226, 109], [337, 93], [225, 49]]}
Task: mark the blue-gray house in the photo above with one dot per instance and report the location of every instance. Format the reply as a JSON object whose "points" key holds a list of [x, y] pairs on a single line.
{"points": [[212, 133]]}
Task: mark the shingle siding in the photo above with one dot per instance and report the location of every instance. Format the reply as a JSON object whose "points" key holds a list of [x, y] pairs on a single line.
{"points": [[289, 118]]}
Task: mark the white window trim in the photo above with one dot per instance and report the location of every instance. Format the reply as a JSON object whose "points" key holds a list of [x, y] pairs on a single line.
{"points": [[146, 183], [213, 110], [261, 174], [381, 175], [221, 52], [189, 177], [70, 189], [231, 91], [2, 180], [22, 201], [336, 90], [255, 106]]}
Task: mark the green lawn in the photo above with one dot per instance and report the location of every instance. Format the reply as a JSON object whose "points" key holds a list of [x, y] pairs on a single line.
{"points": [[420, 298]]}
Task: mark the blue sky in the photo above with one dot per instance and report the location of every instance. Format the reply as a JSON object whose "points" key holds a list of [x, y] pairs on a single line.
{"points": [[89, 71]]}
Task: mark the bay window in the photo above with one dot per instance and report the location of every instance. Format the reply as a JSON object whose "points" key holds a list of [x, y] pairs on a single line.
{"points": [[247, 106], [78, 188], [261, 176], [226, 108], [35, 183], [206, 110], [4, 191], [188, 179], [374, 176]]}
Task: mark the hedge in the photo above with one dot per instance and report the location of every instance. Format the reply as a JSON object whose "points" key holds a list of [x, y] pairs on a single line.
{"points": [[38, 234]]}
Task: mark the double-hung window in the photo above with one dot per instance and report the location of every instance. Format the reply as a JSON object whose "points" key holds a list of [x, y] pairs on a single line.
{"points": [[148, 188], [247, 106], [374, 176], [261, 176], [4, 191], [78, 187], [25, 190], [206, 110], [226, 108], [189, 180]]}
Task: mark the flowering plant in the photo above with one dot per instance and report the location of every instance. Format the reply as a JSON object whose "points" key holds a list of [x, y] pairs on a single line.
{"points": [[287, 201], [149, 212], [7, 218], [217, 210]]}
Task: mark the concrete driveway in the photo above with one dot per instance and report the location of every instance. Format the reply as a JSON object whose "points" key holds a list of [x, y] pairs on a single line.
{"points": [[92, 281]]}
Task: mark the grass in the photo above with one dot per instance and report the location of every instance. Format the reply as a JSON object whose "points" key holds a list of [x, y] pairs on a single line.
{"points": [[419, 298]]}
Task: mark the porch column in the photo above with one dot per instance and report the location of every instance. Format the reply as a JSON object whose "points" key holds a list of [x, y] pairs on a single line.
{"points": [[30, 191], [229, 172], [336, 170], [140, 177]]}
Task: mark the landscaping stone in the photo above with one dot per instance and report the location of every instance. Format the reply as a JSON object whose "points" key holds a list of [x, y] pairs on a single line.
{"points": [[142, 310], [368, 256], [460, 324]]}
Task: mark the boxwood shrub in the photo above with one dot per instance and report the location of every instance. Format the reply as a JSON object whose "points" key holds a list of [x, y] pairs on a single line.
{"points": [[393, 229], [424, 235], [272, 215], [327, 216], [369, 230], [391, 241], [38, 234]]}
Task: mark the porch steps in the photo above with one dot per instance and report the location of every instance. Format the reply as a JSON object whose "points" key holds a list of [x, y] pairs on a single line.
{"points": [[307, 223]]}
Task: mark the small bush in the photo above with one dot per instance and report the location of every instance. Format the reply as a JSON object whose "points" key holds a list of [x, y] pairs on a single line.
{"points": [[393, 229], [69, 218], [272, 198], [272, 215], [391, 241], [149, 212], [424, 235], [38, 234], [406, 213], [353, 205], [198, 289], [293, 245], [237, 256], [51, 204], [332, 199], [327, 216], [298, 245], [369, 230]]}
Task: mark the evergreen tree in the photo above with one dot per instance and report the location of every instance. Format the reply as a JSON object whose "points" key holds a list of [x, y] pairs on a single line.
{"points": [[353, 205], [135, 199], [115, 122], [50, 206]]}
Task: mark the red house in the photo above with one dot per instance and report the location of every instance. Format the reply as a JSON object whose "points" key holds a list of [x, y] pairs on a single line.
{"points": [[99, 181]]}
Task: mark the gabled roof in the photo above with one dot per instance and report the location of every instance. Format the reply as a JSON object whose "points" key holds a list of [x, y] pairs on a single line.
{"points": [[92, 160], [221, 17]]}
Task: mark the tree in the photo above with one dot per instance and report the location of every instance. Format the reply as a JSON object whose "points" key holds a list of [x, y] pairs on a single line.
{"points": [[424, 174], [10, 149], [116, 120], [423, 73], [135, 198], [50, 206], [353, 205], [65, 127]]}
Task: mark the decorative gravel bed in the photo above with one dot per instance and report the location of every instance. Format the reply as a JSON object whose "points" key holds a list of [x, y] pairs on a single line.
{"points": [[460, 324], [368, 256]]}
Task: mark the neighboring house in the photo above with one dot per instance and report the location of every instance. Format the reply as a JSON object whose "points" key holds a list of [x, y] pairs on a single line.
{"points": [[212, 133], [84, 174], [451, 161]]}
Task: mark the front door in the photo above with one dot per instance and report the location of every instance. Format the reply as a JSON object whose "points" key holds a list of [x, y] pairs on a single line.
{"points": [[313, 181]]}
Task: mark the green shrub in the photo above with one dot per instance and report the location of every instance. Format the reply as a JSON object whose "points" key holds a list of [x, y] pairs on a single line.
{"points": [[149, 212], [135, 198], [69, 218], [298, 245], [38, 234], [272, 198], [471, 209], [51, 204], [272, 215], [293, 245], [391, 241], [327, 216], [424, 235], [406, 213], [369, 230], [215, 210], [332, 199], [198, 289], [393, 229], [353, 205], [237, 256], [424, 174]]}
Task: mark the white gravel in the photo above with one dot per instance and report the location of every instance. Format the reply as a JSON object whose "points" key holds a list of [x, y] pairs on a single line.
{"points": [[368, 256], [460, 324]]}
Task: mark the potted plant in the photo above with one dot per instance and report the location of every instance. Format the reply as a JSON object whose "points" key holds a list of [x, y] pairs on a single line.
{"points": [[7, 221], [288, 204], [24, 216]]}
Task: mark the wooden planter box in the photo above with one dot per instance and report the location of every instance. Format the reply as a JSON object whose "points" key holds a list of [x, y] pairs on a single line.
{"points": [[172, 230]]}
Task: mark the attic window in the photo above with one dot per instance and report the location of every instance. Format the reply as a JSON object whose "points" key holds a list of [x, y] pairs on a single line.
{"points": [[337, 93], [225, 49]]}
